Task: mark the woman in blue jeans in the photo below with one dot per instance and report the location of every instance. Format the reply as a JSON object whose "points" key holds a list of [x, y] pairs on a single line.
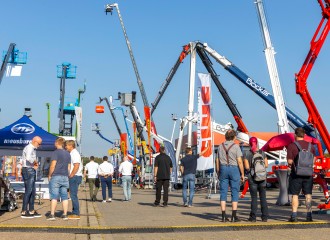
{"points": [[256, 186]]}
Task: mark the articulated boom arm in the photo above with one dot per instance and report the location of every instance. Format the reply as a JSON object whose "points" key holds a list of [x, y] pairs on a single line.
{"points": [[126, 125], [109, 8], [112, 114], [255, 87], [184, 53], [232, 107], [104, 138], [301, 77]]}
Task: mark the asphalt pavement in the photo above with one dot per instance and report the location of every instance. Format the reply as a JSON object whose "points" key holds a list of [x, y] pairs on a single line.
{"points": [[139, 219]]}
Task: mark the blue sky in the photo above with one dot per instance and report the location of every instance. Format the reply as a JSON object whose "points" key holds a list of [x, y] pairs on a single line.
{"points": [[79, 32]]}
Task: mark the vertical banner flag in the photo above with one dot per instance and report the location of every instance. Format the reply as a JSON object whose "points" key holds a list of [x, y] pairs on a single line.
{"points": [[123, 144], [147, 116], [78, 112], [153, 130], [204, 129], [134, 140]]}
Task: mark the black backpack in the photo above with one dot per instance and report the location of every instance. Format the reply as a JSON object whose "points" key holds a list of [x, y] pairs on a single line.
{"points": [[305, 161]]}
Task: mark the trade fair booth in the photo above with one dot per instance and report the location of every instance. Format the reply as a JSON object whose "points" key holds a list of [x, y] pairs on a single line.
{"points": [[13, 139]]}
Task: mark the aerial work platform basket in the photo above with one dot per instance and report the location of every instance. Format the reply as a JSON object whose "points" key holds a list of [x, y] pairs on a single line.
{"points": [[16, 57], [70, 70]]}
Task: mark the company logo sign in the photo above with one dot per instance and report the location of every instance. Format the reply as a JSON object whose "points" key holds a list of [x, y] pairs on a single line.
{"points": [[257, 87], [23, 128]]}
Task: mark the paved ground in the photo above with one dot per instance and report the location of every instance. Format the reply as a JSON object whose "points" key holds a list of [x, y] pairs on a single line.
{"points": [[138, 219]]}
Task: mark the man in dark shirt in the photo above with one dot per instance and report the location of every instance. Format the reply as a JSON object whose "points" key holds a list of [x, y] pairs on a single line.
{"points": [[162, 174], [59, 179], [188, 168], [299, 183]]}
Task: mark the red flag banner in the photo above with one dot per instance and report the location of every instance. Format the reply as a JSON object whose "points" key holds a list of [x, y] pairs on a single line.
{"points": [[204, 131], [148, 120], [153, 130], [147, 115], [134, 140], [123, 143]]}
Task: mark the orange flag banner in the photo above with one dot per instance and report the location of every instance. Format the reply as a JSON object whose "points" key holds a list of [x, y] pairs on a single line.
{"points": [[123, 144], [147, 115]]}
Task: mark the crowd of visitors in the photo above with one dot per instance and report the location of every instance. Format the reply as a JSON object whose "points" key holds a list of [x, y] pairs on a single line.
{"points": [[232, 167]]}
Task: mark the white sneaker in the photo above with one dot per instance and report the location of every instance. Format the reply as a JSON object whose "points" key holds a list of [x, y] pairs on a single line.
{"points": [[109, 200], [104, 201]]}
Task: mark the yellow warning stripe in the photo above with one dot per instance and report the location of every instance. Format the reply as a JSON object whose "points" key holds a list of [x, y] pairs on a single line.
{"points": [[270, 224]]}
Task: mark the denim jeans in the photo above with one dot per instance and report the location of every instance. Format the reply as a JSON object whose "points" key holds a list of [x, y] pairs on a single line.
{"points": [[188, 180], [127, 186], [29, 178], [58, 187], [106, 182], [74, 183], [229, 176], [94, 185], [256, 187]]}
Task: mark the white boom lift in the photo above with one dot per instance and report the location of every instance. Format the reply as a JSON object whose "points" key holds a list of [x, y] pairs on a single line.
{"points": [[283, 124]]}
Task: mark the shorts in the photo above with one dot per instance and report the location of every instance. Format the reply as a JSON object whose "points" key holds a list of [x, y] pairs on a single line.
{"points": [[58, 187], [298, 184]]}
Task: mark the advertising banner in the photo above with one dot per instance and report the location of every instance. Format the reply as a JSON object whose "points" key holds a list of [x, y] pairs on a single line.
{"points": [[123, 144], [78, 112], [204, 129]]}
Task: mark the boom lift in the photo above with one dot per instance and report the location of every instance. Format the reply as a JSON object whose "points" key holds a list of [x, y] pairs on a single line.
{"points": [[255, 87], [66, 111], [108, 9], [242, 129], [272, 70], [322, 166], [12, 56], [111, 109], [127, 129], [96, 128]]}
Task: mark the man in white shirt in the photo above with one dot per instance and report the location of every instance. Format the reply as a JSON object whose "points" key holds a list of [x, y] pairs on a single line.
{"points": [[126, 169], [93, 179], [29, 167], [106, 172], [75, 177]]}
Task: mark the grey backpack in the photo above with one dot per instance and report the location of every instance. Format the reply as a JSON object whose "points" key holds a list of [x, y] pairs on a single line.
{"points": [[258, 168], [305, 161]]}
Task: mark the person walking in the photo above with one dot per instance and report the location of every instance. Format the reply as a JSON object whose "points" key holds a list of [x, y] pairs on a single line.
{"points": [[188, 169], [29, 167], [126, 169], [105, 172], [298, 183], [58, 177], [162, 175], [229, 165], [75, 178], [250, 157], [91, 170]]}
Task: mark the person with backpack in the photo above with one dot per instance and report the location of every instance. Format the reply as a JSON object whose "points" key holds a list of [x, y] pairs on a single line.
{"points": [[300, 157], [256, 163], [229, 165]]}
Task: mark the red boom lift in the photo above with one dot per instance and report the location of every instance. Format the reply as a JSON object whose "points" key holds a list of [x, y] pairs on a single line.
{"points": [[322, 165]]}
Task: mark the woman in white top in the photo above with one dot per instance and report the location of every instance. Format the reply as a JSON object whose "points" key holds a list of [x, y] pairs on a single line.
{"points": [[105, 172]]}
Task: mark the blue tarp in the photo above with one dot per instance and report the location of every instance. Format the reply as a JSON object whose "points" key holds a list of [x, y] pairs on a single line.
{"points": [[17, 135]]}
